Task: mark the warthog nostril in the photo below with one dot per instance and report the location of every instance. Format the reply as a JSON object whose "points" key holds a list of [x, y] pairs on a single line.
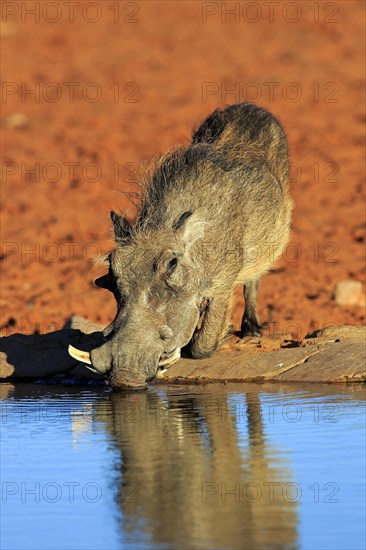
{"points": [[165, 332]]}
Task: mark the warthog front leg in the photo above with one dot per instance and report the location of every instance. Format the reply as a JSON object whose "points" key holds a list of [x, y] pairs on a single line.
{"points": [[214, 327], [250, 325]]}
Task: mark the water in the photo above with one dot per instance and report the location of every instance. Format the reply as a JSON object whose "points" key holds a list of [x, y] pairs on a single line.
{"points": [[236, 466]]}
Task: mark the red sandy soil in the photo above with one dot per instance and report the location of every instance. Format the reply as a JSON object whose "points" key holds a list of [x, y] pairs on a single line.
{"points": [[54, 223]]}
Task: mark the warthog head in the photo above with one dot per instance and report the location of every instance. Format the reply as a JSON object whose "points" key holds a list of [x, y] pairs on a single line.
{"points": [[157, 285]]}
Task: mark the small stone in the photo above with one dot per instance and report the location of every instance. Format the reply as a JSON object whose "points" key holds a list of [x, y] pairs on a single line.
{"points": [[16, 120], [358, 233], [6, 369], [7, 28], [349, 293], [77, 322]]}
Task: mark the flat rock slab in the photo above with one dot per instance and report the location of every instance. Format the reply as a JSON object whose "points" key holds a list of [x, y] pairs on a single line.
{"points": [[239, 365], [337, 362], [334, 354]]}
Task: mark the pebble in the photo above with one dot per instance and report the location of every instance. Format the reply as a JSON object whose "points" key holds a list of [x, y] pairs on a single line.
{"points": [[6, 28], [16, 120], [349, 293]]}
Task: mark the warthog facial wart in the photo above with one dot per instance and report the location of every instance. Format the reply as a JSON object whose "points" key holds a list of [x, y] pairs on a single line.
{"points": [[173, 272]]}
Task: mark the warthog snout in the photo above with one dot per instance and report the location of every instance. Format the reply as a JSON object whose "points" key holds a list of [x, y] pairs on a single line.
{"points": [[131, 366], [110, 360]]}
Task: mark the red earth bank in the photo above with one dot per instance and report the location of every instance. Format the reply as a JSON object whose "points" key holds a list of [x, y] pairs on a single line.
{"points": [[85, 103]]}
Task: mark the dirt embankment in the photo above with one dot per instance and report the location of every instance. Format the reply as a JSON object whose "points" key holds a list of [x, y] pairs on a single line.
{"points": [[86, 101]]}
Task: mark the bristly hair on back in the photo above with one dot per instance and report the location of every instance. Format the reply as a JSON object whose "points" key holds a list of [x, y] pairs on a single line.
{"points": [[185, 163], [228, 141]]}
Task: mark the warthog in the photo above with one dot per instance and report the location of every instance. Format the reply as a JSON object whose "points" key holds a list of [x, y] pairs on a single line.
{"points": [[212, 215]]}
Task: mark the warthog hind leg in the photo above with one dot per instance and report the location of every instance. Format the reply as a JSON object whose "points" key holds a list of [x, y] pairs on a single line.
{"points": [[250, 325]]}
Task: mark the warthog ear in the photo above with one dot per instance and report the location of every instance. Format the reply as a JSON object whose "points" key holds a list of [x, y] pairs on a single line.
{"points": [[191, 226], [103, 281], [122, 228]]}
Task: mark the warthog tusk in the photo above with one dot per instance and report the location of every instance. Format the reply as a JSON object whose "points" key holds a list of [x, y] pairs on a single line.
{"points": [[170, 360], [92, 369], [160, 373], [82, 356]]}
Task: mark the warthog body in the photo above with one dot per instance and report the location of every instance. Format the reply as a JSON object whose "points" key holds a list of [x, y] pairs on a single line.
{"points": [[214, 214]]}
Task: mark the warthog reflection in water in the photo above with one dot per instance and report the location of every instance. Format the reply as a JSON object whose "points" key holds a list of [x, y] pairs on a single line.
{"points": [[188, 482]]}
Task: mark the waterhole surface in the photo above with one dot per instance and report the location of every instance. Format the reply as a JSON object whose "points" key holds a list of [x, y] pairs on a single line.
{"points": [[236, 466]]}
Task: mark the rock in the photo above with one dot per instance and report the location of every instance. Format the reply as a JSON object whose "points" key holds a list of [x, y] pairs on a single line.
{"points": [[16, 120], [335, 362], [7, 29], [238, 367], [349, 293], [86, 326], [334, 333], [333, 354], [358, 233], [6, 370]]}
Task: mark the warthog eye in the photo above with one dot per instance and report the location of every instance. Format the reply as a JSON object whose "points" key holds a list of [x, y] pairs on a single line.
{"points": [[168, 268], [172, 264]]}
